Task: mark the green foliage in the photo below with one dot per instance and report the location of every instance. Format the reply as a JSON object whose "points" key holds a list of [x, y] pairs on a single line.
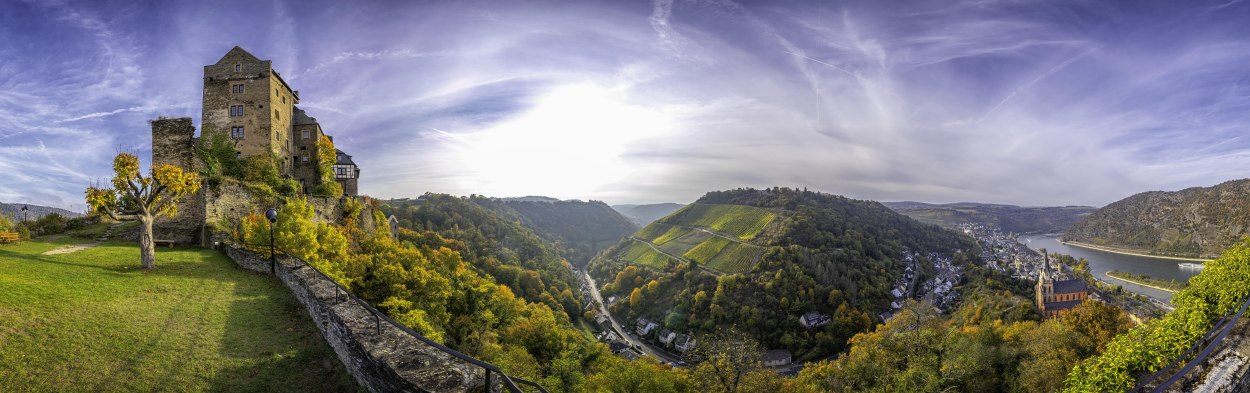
{"points": [[219, 157], [1008, 218], [1211, 294], [494, 245], [6, 225], [1148, 280], [327, 156], [987, 345]]}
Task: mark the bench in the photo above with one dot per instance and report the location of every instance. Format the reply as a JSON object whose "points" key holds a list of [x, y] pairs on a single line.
{"points": [[168, 243], [9, 237]]}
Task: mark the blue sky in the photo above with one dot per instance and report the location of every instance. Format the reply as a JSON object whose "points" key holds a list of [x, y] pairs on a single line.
{"points": [[1023, 102]]}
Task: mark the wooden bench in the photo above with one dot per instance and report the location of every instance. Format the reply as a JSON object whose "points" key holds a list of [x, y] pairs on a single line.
{"points": [[9, 237], [168, 243]]}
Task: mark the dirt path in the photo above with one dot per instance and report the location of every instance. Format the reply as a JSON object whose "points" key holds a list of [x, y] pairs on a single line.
{"points": [[69, 249]]}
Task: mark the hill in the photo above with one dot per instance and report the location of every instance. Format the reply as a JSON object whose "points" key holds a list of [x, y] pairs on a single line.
{"points": [[495, 242], [577, 229], [1008, 218], [646, 214], [1194, 222], [761, 259], [14, 211]]}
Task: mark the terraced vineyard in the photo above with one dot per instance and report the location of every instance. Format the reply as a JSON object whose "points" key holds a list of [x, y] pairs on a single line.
{"points": [[697, 232], [706, 251], [735, 258], [640, 253], [744, 222]]}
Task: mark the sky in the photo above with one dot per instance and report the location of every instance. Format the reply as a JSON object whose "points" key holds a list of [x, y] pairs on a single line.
{"points": [[1020, 102]]}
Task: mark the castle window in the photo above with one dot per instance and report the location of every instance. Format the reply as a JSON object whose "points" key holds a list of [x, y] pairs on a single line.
{"points": [[236, 132], [236, 110], [305, 157], [276, 115], [238, 154], [237, 89], [304, 135], [238, 67]]}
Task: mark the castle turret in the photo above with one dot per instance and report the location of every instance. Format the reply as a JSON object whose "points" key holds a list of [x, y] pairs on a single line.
{"points": [[173, 143]]}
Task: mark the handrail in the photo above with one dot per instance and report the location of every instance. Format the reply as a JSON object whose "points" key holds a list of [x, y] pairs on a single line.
{"points": [[508, 381], [1220, 330]]}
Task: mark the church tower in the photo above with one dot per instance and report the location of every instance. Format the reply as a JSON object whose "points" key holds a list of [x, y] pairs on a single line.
{"points": [[246, 100], [1045, 284]]}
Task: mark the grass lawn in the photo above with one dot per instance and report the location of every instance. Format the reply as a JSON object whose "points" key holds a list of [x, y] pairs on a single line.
{"points": [[92, 321]]}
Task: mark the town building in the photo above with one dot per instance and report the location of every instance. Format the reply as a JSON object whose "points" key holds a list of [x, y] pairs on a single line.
{"points": [[683, 343], [645, 326], [813, 320], [1057, 296], [776, 357]]}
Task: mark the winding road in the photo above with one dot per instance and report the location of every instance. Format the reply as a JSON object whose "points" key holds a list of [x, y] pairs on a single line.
{"points": [[647, 349]]}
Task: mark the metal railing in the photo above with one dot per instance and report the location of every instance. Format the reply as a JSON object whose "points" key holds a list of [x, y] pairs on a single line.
{"points": [[1207, 343], [508, 382]]}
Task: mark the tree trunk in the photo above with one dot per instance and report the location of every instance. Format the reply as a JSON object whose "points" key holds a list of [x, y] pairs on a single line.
{"points": [[147, 248]]}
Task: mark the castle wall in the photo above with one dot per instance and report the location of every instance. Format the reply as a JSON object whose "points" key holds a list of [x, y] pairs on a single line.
{"points": [[173, 143], [381, 356]]}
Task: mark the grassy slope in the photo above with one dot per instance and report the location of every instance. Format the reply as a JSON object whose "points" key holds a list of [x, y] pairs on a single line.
{"points": [[91, 321]]}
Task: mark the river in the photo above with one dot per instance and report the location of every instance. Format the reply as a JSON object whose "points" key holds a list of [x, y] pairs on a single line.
{"points": [[1101, 262]]}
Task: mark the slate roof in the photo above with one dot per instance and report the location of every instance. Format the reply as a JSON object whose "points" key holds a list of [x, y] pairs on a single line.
{"points": [[302, 118], [1064, 305], [1070, 286], [776, 354], [343, 158]]}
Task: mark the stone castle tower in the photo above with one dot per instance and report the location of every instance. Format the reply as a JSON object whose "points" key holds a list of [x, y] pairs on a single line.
{"points": [[245, 99], [254, 108]]}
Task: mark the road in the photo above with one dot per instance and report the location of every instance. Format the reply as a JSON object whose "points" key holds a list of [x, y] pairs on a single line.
{"points": [[647, 349]]}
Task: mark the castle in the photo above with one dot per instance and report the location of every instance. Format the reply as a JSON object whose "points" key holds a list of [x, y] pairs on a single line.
{"points": [[249, 103], [246, 99], [1056, 296]]}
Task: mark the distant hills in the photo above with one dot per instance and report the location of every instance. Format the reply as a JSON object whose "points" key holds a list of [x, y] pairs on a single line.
{"points": [[761, 259], [645, 214], [1009, 218], [34, 212], [1194, 222]]}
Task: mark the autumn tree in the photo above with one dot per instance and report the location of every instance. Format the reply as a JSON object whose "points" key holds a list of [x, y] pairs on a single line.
{"points": [[135, 197]]}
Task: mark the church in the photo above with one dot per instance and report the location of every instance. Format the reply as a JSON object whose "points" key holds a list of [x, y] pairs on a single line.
{"points": [[1057, 296]]}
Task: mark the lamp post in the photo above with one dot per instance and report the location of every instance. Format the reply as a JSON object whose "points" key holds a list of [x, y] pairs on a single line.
{"points": [[272, 215], [24, 209]]}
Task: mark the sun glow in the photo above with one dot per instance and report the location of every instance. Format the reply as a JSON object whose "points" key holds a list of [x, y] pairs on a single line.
{"points": [[571, 143]]}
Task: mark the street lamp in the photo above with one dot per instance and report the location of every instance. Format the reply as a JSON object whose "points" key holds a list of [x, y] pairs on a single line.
{"points": [[272, 215], [24, 209]]}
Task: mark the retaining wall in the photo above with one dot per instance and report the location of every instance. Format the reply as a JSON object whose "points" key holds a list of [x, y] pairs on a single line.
{"points": [[380, 356]]}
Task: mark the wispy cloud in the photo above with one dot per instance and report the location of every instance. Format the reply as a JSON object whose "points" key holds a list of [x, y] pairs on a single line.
{"points": [[999, 101]]}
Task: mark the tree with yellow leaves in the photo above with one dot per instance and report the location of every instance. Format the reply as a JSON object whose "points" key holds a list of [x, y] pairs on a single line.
{"points": [[135, 197]]}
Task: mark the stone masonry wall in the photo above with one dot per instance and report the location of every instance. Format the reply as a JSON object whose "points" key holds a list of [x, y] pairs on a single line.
{"points": [[173, 143], [379, 355]]}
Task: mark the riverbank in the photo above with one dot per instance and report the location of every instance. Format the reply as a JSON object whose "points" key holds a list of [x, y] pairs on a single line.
{"points": [[1108, 274], [1171, 286], [1120, 251]]}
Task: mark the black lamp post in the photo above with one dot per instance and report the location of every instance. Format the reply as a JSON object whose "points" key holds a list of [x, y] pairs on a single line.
{"points": [[24, 209], [272, 215]]}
